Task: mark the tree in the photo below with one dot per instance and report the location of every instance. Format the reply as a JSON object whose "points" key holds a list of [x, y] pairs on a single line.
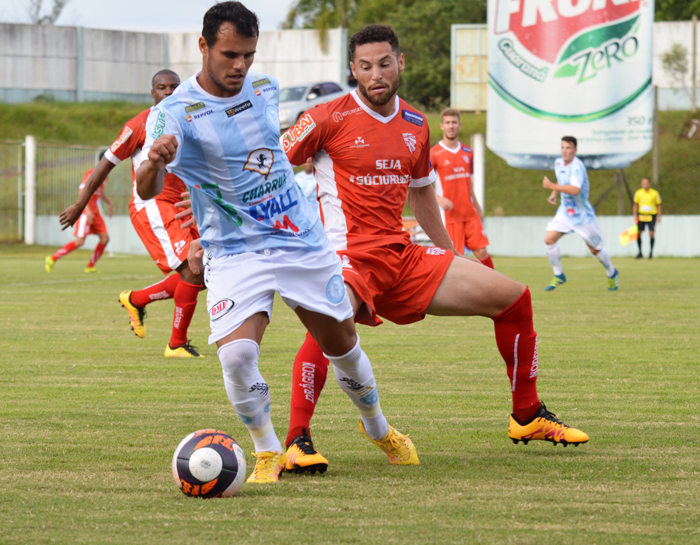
{"points": [[676, 10], [321, 15], [35, 9], [675, 64]]}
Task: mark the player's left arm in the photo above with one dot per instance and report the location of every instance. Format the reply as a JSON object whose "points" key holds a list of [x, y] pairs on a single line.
{"points": [[477, 206], [425, 207]]}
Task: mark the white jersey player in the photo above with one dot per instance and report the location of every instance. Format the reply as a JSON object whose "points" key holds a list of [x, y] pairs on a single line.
{"points": [[575, 214], [219, 133]]}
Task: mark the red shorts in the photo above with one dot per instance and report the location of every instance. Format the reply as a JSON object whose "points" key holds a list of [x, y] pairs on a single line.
{"points": [[396, 282], [83, 228], [161, 234], [468, 233]]}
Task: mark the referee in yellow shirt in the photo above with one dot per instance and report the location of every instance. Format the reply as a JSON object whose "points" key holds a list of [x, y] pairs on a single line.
{"points": [[647, 211]]}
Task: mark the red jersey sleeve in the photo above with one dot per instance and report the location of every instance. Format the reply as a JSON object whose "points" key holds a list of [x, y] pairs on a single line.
{"points": [[130, 139], [307, 136], [423, 173], [433, 159]]}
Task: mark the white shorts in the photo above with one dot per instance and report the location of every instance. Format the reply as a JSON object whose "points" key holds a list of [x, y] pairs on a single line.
{"points": [[243, 285], [590, 232]]}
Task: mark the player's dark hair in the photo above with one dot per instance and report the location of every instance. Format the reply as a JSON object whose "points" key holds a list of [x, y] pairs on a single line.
{"points": [[570, 140], [373, 34], [245, 21], [164, 72], [449, 112]]}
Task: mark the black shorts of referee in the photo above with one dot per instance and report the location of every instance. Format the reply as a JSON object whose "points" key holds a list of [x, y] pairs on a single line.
{"points": [[644, 224]]}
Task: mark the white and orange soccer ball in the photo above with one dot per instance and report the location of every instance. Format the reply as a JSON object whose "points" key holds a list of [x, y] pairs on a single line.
{"points": [[209, 464]]}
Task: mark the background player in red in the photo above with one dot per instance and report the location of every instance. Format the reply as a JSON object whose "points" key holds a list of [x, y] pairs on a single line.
{"points": [[371, 153], [159, 230], [454, 164], [90, 222]]}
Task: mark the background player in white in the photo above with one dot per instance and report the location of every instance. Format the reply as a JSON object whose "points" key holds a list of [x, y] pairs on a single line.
{"points": [[307, 182], [575, 213], [258, 233]]}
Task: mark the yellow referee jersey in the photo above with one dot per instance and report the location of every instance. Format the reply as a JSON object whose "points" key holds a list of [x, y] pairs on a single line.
{"points": [[646, 201]]}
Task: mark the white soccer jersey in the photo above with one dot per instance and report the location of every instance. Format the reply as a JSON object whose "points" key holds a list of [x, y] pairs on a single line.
{"points": [[575, 207], [242, 186]]}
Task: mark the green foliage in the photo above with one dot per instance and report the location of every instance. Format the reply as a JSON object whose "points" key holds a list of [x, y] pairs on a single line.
{"points": [[675, 64], [676, 10], [92, 415]]}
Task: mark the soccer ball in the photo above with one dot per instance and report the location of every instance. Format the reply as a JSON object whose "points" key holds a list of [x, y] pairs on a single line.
{"points": [[209, 464]]}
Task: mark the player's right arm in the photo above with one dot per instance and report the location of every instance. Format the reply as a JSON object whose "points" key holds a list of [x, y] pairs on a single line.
{"points": [[150, 176], [71, 214], [307, 136]]}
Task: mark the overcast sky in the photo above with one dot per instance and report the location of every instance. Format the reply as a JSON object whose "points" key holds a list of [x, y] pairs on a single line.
{"points": [[143, 15]]}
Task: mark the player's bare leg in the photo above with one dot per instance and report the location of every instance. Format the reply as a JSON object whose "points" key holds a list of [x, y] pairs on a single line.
{"points": [[554, 254], [483, 255], [471, 290]]}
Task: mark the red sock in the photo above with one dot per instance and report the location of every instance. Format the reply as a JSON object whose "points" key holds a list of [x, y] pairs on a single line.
{"points": [[517, 343], [165, 289], [68, 248], [97, 254], [308, 378], [185, 302], [488, 262]]}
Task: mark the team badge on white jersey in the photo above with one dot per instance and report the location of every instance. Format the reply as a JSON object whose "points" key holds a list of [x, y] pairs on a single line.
{"points": [[260, 160]]}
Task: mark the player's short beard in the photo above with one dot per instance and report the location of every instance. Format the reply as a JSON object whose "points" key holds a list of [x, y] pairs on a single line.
{"points": [[385, 97], [212, 76]]}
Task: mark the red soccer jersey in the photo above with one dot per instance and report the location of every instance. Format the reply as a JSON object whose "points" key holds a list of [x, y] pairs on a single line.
{"points": [[92, 203], [455, 167], [364, 164], [129, 144]]}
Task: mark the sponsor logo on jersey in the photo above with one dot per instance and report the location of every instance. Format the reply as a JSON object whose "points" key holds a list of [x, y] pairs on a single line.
{"points": [[220, 309], [338, 116], [447, 162], [123, 137], [359, 143], [260, 160], [238, 108], [377, 179], [335, 289], [298, 132], [194, 107], [261, 82], [467, 149], [274, 206], [388, 164], [410, 141], [160, 126], [265, 189], [412, 118], [257, 93], [189, 118]]}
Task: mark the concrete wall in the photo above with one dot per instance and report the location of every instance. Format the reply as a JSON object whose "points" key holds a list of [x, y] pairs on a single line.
{"points": [[76, 64], [511, 236]]}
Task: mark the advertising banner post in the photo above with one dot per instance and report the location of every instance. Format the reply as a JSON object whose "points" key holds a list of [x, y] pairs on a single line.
{"points": [[570, 67]]}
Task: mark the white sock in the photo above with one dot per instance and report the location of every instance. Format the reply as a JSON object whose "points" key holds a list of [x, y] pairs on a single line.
{"points": [[604, 258], [554, 254], [353, 373], [248, 392]]}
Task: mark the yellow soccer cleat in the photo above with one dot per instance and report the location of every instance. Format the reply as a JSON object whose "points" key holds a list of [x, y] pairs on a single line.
{"points": [[544, 426], [136, 315], [89, 270], [268, 467], [49, 263], [398, 447], [184, 351], [302, 457]]}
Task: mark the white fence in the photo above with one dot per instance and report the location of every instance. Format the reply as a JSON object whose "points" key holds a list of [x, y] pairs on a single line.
{"points": [[74, 64]]}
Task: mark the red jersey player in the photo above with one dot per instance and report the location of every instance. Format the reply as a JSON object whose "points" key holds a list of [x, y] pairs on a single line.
{"points": [[371, 152], [159, 230], [90, 222], [454, 164]]}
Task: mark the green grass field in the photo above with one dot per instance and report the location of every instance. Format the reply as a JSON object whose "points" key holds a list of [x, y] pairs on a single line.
{"points": [[91, 416]]}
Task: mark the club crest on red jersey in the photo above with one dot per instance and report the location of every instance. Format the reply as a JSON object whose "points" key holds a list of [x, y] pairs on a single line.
{"points": [[410, 141]]}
